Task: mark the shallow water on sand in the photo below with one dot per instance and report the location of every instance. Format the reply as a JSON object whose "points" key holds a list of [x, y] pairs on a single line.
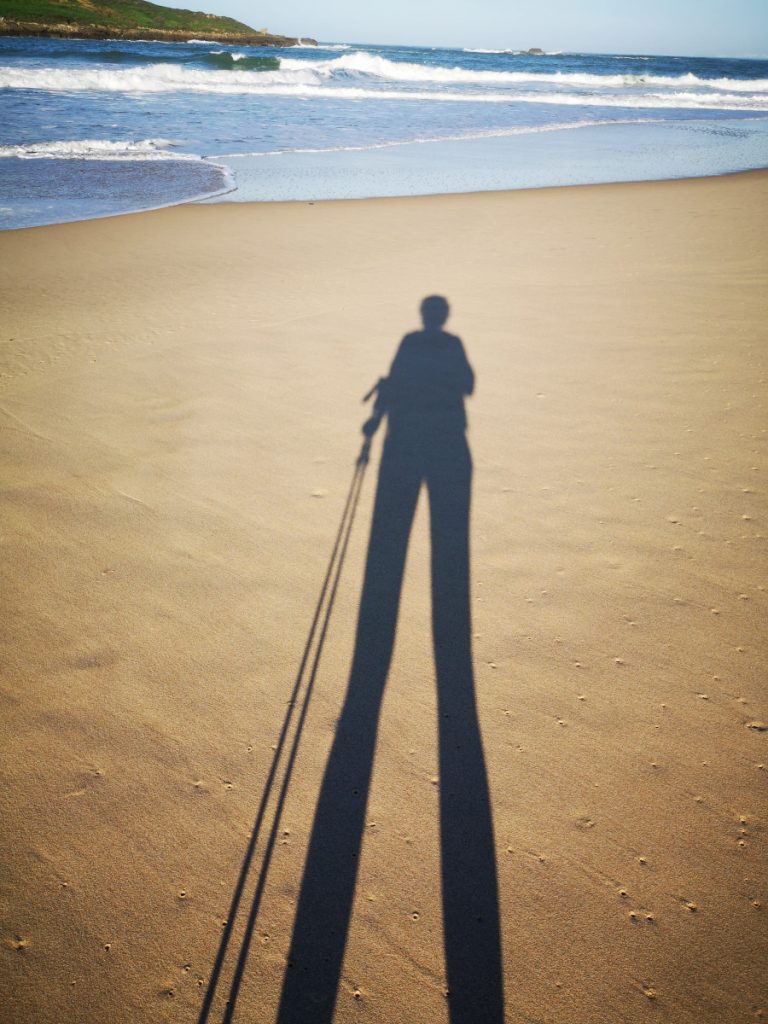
{"points": [[91, 128]]}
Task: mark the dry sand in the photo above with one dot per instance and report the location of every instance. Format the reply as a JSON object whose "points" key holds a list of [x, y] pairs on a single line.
{"points": [[180, 402]]}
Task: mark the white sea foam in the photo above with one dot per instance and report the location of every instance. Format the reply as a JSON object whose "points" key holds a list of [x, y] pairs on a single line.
{"points": [[343, 78], [649, 101], [365, 67], [368, 64], [151, 78], [154, 42], [235, 55], [96, 149]]}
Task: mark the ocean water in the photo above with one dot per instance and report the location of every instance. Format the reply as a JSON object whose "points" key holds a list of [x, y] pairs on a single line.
{"points": [[92, 128]]}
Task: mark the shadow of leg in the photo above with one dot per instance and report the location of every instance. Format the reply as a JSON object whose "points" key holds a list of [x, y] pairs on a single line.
{"points": [[469, 882]]}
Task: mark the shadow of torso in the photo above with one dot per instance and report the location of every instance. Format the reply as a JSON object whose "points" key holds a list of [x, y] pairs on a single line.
{"points": [[424, 393], [423, 401]]}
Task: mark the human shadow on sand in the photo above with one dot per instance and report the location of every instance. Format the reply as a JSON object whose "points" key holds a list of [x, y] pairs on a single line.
{"points": [[422, 400]]}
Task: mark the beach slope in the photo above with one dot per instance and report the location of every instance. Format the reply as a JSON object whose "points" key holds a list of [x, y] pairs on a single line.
{"points": [[180, 402]]}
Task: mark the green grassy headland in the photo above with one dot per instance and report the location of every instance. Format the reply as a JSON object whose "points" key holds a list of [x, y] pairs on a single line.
{"points": [[129, 19]]}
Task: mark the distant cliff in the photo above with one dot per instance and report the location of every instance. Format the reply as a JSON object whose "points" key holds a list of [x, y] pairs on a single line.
{"points": [[127, 19]]}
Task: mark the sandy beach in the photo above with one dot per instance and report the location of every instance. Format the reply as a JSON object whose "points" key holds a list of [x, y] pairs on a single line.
{"points": [[180, 394]]}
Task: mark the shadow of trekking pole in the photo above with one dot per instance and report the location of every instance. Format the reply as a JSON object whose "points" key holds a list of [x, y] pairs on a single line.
{"points": [[299, 698]]}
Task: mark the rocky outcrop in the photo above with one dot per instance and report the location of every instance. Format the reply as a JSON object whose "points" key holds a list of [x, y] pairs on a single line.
{"points": [[69, 31]]}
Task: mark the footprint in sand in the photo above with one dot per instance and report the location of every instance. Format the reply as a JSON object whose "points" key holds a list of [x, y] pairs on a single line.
{"points": [[584, 822]]}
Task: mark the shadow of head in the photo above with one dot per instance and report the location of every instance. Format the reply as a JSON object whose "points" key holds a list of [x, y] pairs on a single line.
{"points": [[434, 312]]}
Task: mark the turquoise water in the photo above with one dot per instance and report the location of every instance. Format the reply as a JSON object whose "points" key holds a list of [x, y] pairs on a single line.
{"points": [[91, 128]]}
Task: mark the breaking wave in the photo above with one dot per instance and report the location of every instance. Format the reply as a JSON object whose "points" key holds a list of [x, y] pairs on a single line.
{"points": [[96, 149], [371, 65], [327, 80], [225, 60]]}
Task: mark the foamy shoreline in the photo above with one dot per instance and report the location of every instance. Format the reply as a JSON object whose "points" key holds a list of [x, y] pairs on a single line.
{"points": [[496, 162], [181, 402]]}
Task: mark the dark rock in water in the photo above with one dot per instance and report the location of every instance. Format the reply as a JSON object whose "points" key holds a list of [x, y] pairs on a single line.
{"points": [[534, 52]]}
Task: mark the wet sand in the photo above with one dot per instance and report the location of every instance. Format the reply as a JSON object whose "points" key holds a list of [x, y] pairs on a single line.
{"points": [[180, 401]]}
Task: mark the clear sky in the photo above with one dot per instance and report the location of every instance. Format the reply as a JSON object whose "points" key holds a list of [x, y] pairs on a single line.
{"points": [[733, 28]]}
